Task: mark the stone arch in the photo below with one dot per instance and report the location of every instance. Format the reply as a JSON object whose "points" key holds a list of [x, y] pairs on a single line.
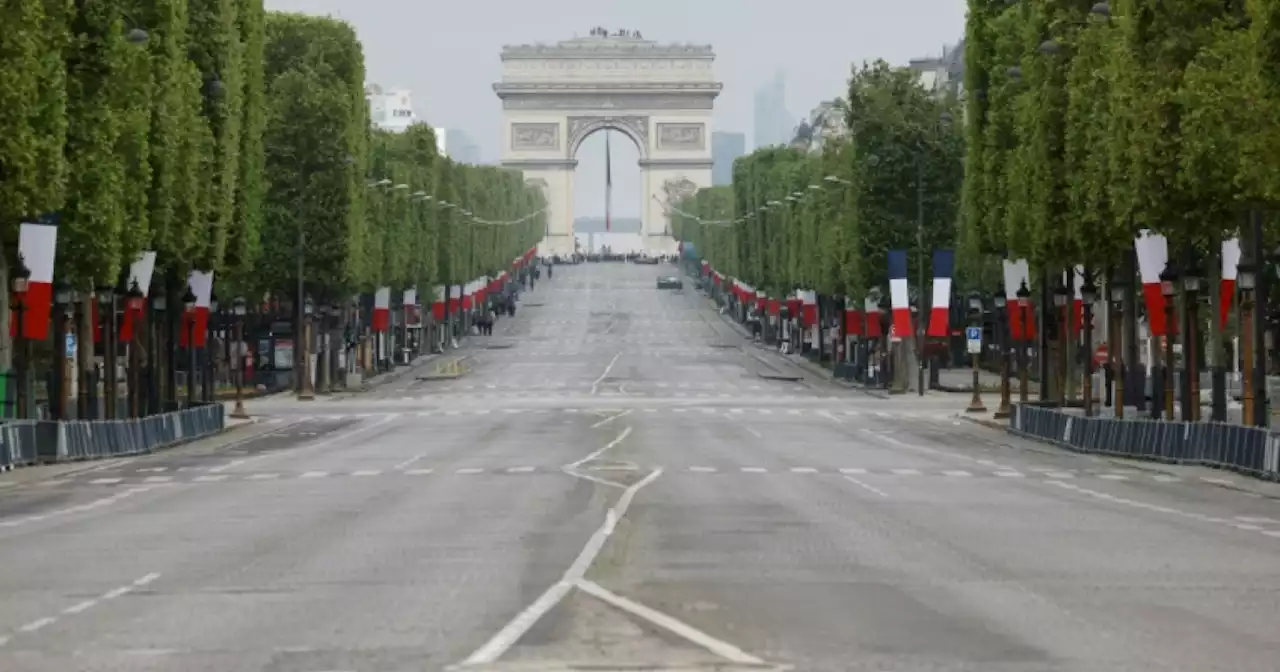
{"points": [[634, 127]]}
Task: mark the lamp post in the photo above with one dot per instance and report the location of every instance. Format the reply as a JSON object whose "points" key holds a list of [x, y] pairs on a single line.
{"points": [[1088, 294], [238, 308], [1002, 341], [21, 274], [1024, 342], [322, 351], [1246, 279], [306, 391], [159, 388], [1117, 287], [106, 295], [1167, 279], [1190, 367], [1062, 325], [975, 320], [188, 310], [134, 302]]}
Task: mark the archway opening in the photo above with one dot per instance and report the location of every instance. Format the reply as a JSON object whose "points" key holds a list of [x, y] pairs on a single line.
{"points": [[607, 191]]}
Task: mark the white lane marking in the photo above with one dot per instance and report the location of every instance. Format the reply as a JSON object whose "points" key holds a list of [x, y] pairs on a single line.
{"points": [[491, 650], [418, 472], [151, 470], [853, 470], [719, 647], [37, 624], [595, 385], [866, 486], [370, 472], [803, 470], [1059, 474], [388, 417], [1261, 520], [1113, 477], [408, 462], [905, 472], [77, 608], [519, 470], [957, 472], [611, 418], [753, 470], [116, 592], [1166, 478], [158, 479], [262, 477], [105, 481], [144, 580], [626, 431], [210, 479], [594, 479], [469, 470], [1010, 474], [1217, 481], [315, 474], [754, 433], [703, 470]]}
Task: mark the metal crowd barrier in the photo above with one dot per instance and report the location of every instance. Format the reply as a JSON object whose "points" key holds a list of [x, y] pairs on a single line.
{"points": [[1248, 450], [24, 442]]}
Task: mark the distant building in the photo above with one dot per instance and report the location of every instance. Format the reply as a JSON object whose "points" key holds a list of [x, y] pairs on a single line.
{"points": [[390, 110], [596, 225], [943, 75], [772, 121], [461, 147], [725, 149], [825, 123]]}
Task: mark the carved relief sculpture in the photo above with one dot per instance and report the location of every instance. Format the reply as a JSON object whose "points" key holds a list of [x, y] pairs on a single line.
{"points": [[637, 127], [675, 189], [535, 136], [682, 136]]}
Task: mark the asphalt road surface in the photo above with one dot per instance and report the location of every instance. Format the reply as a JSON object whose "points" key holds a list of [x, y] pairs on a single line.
{"points": [[612, 484]]}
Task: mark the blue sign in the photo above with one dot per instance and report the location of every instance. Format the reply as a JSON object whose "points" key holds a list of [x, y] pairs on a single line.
{"points": [[973, 333], [71, 346]]}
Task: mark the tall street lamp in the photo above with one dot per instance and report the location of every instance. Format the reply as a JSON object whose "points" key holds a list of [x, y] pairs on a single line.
{"points": [[134, 303], [975, 320], [238, 308], [21, 274], [158, 389], [1167, 279], [1063, 325], [1246, 279], [189, 311], [1024, 342], [1190, 367], [106, 295], [1117, 287], [306, 391], [1088, 294], [1002, 342]]}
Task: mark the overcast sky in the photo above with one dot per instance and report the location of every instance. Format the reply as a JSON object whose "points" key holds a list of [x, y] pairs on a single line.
{"points": [[447, 53]]}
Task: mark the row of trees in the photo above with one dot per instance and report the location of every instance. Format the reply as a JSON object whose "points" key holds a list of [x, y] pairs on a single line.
{"points": [[224, 137], [823, 220], [1089, 121]]}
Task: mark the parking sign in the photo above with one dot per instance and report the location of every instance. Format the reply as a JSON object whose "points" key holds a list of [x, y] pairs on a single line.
{"points": [[973, 337]]}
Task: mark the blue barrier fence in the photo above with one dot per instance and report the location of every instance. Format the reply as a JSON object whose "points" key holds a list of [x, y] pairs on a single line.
{"points": [[1248, 450], [25, 442]]}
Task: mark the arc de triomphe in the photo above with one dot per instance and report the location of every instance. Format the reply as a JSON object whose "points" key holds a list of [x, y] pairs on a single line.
{"points": [[659, 95]]}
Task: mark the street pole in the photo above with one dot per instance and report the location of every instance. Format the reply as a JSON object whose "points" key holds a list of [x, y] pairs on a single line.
{"points": [[238, 308], [975, 320], [1246, 280], [920, 298], [302, 240], [1002, 340]]}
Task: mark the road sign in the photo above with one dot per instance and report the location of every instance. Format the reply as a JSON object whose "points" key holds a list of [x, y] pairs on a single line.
{"points": [[71, 346], [973, 336], [1101, 355]]}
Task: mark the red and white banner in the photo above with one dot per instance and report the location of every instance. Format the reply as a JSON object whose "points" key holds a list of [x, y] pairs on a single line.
{"points": [[410, 300], [382, 309], [809, 308], [944, 262], [1077, 300], [455, 298], [853, 321], [872, 319], [196, 320], [1230, 271], [140, 272], [438, 303], [1153, 256], [1022, 319], [38, 245]]}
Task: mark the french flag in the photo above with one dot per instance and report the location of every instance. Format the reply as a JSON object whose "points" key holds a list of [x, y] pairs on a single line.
{"points": [[1230, 270], [410, 300], [455, 298], [808, 307], [197, 319], [853, 321], [382, 309], [140, 272], [1077, 300], [872, 317], [898, 296], [1153, 255], [1022, 320], [38, 245], [437, 306], [944, 262]]}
